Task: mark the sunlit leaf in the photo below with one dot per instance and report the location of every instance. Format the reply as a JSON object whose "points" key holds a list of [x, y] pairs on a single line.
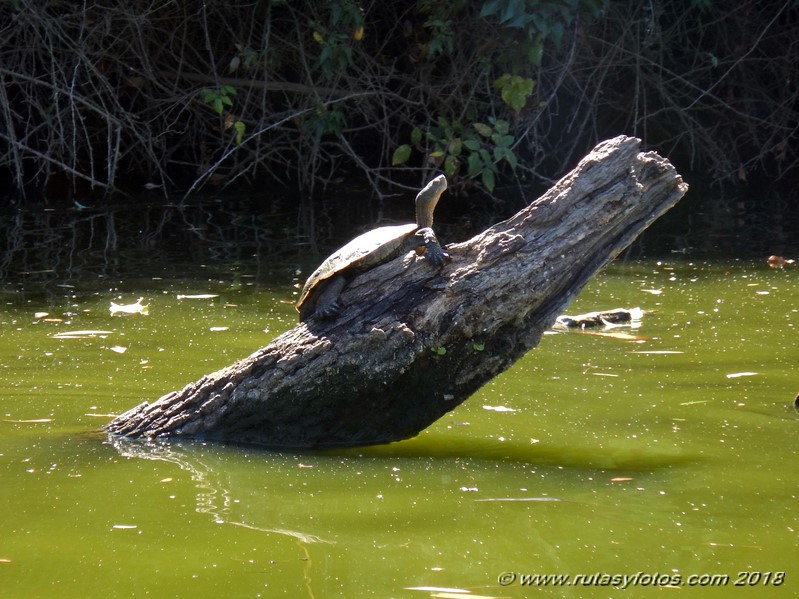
{"points": [[451, 166], [514, 90], [416, 136], [482, 129], [401, 155], [240, 128]]}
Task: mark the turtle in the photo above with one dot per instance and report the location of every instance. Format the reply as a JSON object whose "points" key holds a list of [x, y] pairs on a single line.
{"points": [[319, 296]]}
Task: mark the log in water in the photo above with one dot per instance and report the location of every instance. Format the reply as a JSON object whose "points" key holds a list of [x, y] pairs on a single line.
{"points": [[413, 341]]}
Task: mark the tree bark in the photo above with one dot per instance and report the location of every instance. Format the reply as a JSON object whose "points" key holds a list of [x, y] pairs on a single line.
{"points": [[413, 341]]}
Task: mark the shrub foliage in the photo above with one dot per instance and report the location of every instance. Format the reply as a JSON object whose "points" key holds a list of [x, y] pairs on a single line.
{"points": [[178, 95]]}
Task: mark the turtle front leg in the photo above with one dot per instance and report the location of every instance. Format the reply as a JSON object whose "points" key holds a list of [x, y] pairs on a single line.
{"points": [[433, 250], [327, 305]]}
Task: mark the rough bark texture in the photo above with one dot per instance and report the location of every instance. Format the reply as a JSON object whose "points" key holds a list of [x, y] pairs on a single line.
{"points": [[378, 372]]}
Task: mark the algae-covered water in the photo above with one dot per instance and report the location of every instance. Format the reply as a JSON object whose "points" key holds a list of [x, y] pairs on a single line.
{"points": [[658, 459]]}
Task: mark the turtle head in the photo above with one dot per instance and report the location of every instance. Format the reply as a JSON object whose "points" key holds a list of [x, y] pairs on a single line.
{"points": [[427, 199]]}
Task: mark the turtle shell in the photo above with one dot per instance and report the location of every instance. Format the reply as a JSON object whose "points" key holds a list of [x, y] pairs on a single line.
{"points": [[362, 253]]}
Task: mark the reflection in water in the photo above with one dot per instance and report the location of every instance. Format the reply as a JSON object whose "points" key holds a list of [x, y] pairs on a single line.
{"points": [[213, 498], [533, 452]]}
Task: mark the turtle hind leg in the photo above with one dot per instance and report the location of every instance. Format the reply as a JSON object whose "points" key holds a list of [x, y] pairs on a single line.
{"points": [[327, 304], [433, 250]]}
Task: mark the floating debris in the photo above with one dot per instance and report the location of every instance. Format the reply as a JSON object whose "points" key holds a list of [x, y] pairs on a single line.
{"points": [[735, 375], [778, 261], [181, 296], [521, 499], [84, 334], [439, 590], [603, 318], [135, 308], [498, 408], [118, 349]]}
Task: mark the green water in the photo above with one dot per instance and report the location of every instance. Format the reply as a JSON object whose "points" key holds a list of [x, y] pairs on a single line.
{"points": [[592, 455]]}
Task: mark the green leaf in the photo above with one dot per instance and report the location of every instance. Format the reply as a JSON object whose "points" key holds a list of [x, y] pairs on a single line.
{"points": [[454, 147], [451, 166], [416, 136], [218, 107], [226, 100], [510, 158], [240, 128], [501, 126], [501, 81], [535, 53], [401, 155], [439, 351], [478, 346], [489, 8], [514, 90], [503, 141], [474, 165], [471, 144], [505, 154], [557, 33], [511, 8], [488, 180], [482, 129]]}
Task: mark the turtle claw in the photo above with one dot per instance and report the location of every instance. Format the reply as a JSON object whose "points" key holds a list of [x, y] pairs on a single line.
{"points": [[329, 311], [437, 256], [433, 251], [327, 304]]}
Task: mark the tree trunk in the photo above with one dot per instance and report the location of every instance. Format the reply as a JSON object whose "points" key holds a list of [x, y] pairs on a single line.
{"points": [[413, 341]]}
